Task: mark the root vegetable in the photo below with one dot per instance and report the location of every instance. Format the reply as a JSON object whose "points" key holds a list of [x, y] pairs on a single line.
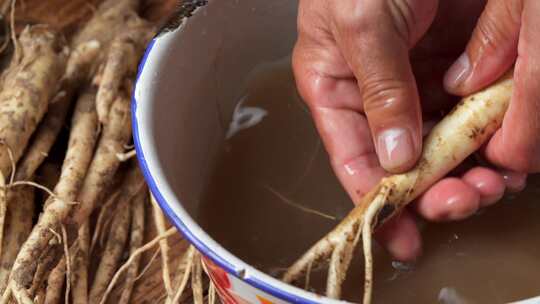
{"points": [[110, 17], [68, 259], [136, 240], [40, 297], [132, 185], [159, 220], [19, 215], [105, 214], [43, 139], [196, 279], [170, 232], [183, 273], [458, 135], [121, 63], [211, 293], [112, 253], [80, 149], [104, 164], [100, 174], [55, 282], [27, 87], [80, 273]]}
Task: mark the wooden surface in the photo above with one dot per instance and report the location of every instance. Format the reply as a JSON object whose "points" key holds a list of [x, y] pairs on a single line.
{"points": [[66, 16]]}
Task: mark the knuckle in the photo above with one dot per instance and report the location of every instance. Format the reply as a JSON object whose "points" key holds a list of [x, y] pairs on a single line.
{"points": [[403, 18], [381, 93], [357, 20], [491, 32]]}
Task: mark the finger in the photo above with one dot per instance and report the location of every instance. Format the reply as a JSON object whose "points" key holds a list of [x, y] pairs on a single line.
{"points": [[516, 146], [347, 139], [335, 105], [449, 199], [374, 37], [491, 50], [514, 181], [322, 75], [487, 182], [400, 237]]}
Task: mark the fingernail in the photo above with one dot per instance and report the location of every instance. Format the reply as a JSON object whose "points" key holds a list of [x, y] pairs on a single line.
{"points": [[458, 72], [395, 148], [514, 181]]}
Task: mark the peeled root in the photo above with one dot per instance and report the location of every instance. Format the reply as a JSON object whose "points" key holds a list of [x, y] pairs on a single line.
{"points": [[457, 136], [136, 240]]}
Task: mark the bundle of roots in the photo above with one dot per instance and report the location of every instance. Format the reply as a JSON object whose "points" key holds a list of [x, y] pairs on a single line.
{"points": [[90, 241]]}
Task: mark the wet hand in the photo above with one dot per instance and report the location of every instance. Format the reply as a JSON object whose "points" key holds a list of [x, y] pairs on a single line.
{"points": [[371, 71]]}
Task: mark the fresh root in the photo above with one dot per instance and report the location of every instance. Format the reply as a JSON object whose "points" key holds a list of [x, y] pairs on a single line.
{"points": [[159, 220], [79, 276], [67, 257], [211, 293], [111, 17], [53, 293], [126, 155], [121, 63], [102, 170], [135, 255], [105, 215], [27, 87], [112, 253], [19, 224], [136, 241], [457, 136], [196, 279], [44, 138], [132, 185], [79, 153], [183, 273]]}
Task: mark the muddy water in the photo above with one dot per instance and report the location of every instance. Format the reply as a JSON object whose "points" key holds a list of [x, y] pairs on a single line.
{"points": [[273, 162]]}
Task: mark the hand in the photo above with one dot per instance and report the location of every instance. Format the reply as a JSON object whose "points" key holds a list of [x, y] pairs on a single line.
{"points": [[357, 64]]}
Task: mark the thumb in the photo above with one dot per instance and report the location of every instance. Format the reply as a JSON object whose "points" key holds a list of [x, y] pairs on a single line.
{"points": [[375, 42], [491, 50]]}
